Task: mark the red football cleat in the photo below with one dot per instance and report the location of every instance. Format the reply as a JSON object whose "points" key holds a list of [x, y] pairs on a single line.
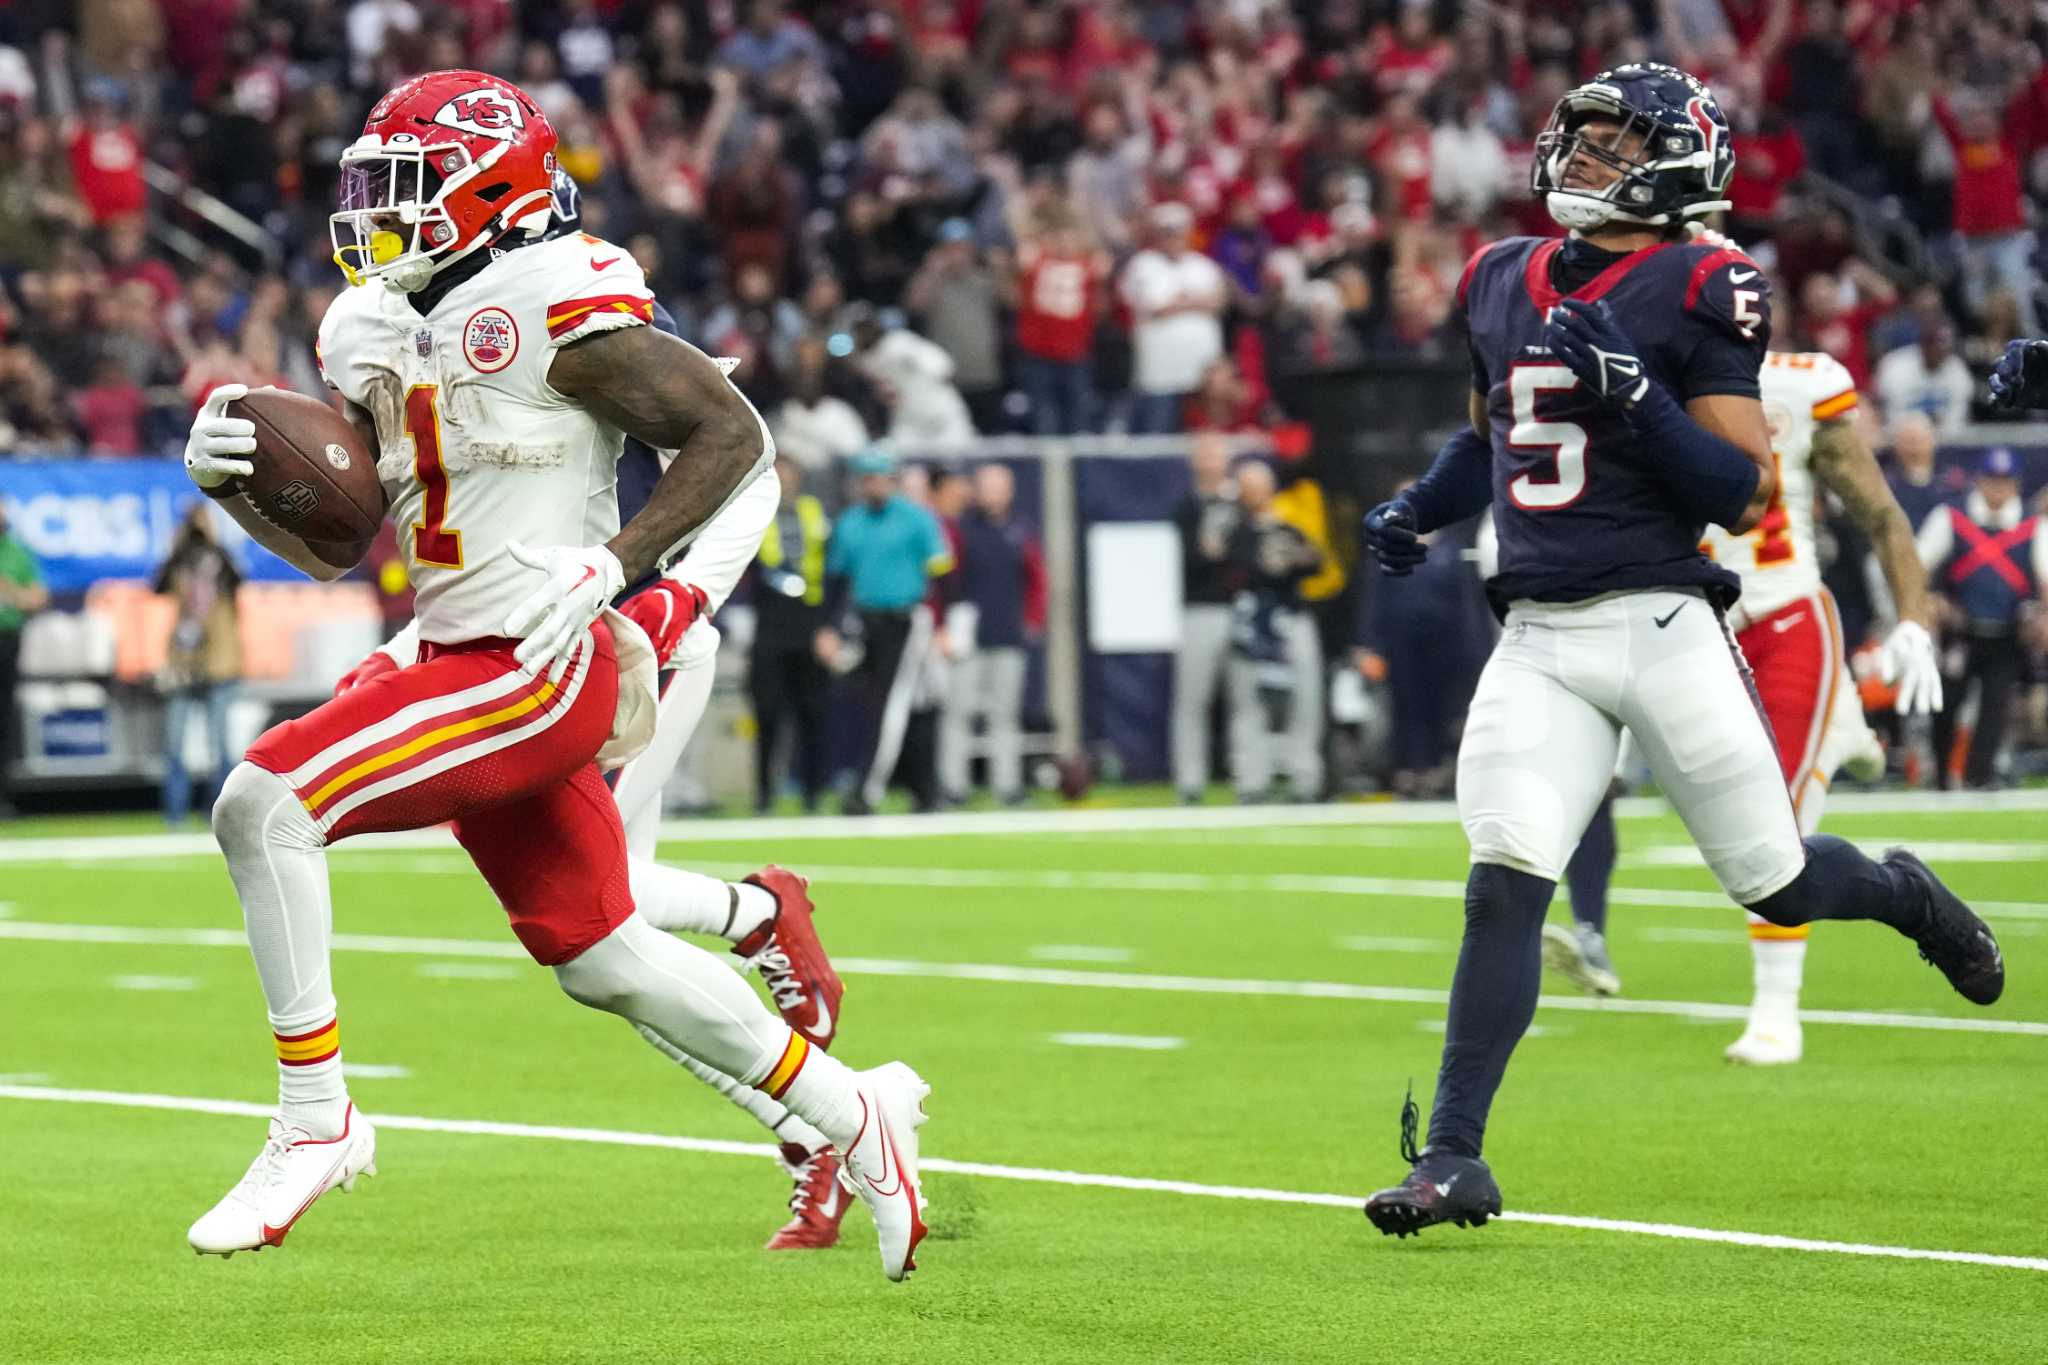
{"points": [[790, 959], [816, 1205]]}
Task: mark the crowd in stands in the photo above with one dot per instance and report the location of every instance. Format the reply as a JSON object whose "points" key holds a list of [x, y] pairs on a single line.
{"points": [[919, 221], [926, 219]]}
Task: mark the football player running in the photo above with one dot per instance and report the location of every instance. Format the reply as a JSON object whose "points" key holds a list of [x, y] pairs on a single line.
{"points": [[1615, 414], [766, 917], [496, 372], [1791, 636]]}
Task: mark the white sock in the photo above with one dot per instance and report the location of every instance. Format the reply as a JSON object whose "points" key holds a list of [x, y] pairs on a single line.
{"points": [[1779, 969], [775, 1117], [752, 908], [676, 901], [679, 902], [823, 1092], [278, 862]]}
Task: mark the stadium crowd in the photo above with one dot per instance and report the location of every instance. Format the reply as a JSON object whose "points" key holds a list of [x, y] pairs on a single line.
{"points": [[1115, 213], [917, 221]]}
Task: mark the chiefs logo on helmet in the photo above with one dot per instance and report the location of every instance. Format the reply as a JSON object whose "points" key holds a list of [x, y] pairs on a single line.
{"points": [[487, 113]]}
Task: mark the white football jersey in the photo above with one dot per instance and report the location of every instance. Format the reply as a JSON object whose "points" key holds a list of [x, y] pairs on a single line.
{"points": [[1777, 560], [476, 449]]}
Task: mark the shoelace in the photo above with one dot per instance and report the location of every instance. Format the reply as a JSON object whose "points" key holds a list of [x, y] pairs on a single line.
{"points": [[267, 1170], [801, 1198], [1411, 1119], [779, 976]]}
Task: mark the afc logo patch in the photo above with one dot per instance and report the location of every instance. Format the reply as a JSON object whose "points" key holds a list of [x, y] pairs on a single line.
{"points": [[487, 113], [490, 339], [293, 501]]}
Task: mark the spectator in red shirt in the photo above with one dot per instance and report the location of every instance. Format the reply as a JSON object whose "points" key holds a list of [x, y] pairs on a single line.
{"points": [[1990, 214], [1828, 323], [1400, 153], [106, 159], [110, 410], [1059, 296], [1769, 156]]}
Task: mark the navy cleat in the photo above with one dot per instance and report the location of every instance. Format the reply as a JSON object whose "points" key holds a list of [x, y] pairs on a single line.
{"points": [[1952, 937], [1442, 1187]]}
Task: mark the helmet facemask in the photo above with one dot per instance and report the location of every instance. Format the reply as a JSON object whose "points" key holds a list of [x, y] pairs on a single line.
{"points": [[1630, 142], [394, 223]]}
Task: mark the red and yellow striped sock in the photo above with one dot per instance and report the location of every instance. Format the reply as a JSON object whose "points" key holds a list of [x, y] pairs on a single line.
{"points": [[309, 1047], [783, 1074], [311, 1091]]}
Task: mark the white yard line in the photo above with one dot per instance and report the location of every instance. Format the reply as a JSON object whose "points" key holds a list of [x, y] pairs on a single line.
{"points": [[1049, 976], [88, 849], [1136, 1042], [1035, 1175]]}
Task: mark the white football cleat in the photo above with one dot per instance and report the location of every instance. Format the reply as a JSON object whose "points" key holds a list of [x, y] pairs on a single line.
{"points": [[1772, 1040], [1579, 955], [881, 1162], [293, 1169]]}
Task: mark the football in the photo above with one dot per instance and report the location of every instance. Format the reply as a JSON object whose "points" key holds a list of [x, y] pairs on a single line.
{"points": [[314, 476]]}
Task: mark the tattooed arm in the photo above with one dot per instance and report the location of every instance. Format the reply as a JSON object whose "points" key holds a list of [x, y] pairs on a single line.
{"points": [[674, 397], [1846, 468]]}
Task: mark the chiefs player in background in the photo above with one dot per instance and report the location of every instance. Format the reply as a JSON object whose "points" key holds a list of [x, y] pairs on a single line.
{"points": [[497, 372]]}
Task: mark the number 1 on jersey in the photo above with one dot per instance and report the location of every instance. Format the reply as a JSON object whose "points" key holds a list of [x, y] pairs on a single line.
{"points": [[433, 543], [1567, 439]]}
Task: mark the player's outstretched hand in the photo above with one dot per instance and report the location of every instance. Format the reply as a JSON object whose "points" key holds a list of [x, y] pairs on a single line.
{"points": [[552, 622], [1910, 662], [217, 439], [1390, 534], [2020, 378], [666, 611], [1590, 342]]}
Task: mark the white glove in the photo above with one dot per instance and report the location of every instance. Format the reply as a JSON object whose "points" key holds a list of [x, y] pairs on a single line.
{"points": [[1910, 661], [553, 623], [217, 438]]}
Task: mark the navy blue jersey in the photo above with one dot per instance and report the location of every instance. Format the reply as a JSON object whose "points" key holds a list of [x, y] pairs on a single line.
{"points": [[1577, 503]]}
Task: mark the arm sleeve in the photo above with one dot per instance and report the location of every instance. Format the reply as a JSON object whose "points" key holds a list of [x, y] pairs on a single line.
{"points": [[1457, 484]]}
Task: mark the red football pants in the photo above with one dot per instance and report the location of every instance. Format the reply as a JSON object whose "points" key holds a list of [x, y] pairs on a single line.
{"points": [[1795, 654], [465, 736]]}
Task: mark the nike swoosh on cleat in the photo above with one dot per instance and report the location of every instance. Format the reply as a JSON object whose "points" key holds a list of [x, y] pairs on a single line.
{"points": [[823, 1028], [1444, 1190]]}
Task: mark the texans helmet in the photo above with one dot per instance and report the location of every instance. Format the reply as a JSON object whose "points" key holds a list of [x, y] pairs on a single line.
{"points": [[1658, 130]]}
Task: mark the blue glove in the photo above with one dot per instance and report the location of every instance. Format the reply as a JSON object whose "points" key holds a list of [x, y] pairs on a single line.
{"points": [[1390, 535], [1590, 342], [2020, 378]]}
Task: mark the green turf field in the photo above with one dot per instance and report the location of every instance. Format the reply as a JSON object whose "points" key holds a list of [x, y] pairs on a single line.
{"points": [[1267, 989]]}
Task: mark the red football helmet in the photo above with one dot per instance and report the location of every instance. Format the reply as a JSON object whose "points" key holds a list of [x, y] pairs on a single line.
{"points": [[447, 162]]}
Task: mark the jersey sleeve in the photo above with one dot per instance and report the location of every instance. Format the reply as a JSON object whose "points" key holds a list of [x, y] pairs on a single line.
{"points": [[1728, 309], [339, 346], [1833, 389], [599, 289]]}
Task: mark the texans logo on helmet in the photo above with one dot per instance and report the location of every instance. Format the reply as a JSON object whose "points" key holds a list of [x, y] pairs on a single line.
{"points": [[487, 113]]}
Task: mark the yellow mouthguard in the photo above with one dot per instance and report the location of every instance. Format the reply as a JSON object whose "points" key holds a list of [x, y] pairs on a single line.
{"points": [[384, 246]]}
